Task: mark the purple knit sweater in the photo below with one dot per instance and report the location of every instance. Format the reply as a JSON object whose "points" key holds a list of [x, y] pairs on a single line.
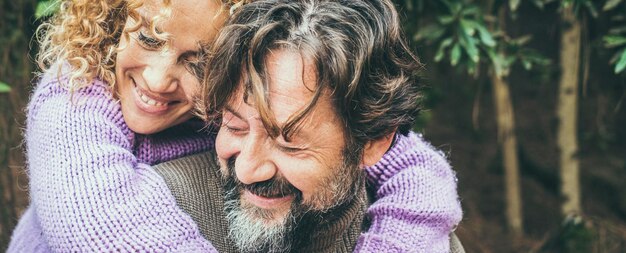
{"points": [[92, 189]]}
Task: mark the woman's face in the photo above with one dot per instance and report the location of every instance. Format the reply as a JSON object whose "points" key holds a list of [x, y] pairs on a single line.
{"points": [[157, 87]]}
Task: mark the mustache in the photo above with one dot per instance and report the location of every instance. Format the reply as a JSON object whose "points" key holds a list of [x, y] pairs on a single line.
{"points": [[275, 187]]}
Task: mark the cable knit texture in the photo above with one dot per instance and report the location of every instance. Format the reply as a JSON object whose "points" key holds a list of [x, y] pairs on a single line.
{"points": [[417, 204], [91, 187]]}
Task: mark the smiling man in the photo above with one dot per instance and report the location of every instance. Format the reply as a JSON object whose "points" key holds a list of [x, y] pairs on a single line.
{"points": [[311, 95], [311, 176]]}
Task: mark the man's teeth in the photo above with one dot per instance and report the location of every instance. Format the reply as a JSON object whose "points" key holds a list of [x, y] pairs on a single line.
{"points": [[149, 100]]}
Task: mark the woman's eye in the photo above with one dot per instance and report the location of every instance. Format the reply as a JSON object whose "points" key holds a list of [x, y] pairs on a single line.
{"points": [[149, 42]]}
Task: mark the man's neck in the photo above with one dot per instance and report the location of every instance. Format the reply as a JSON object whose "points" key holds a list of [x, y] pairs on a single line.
{"points": [[335, 231]]}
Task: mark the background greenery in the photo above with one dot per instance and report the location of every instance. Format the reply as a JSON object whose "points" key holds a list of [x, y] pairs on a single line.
{"points": [[494, 72]]}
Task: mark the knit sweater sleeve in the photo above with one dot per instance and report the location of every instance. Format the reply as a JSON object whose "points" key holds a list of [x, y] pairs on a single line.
{"points": [[417, 205], [88, 190]]}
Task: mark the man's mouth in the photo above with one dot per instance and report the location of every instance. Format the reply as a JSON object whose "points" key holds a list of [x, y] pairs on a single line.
{"points": [[270, 194], [267, 202]]}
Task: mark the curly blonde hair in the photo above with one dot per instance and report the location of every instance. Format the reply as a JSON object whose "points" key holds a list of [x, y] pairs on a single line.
{"points": [[85, 35]]}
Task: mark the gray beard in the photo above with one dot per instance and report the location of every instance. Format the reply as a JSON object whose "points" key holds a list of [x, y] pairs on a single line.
{"points": [[253, 234], [250, 230]]}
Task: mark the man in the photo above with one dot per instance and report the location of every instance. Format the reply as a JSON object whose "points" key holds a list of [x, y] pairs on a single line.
{"points": [[308, 94]]}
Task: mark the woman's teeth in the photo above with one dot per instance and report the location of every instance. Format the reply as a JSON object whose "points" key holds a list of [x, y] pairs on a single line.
{"points": [[149, 100]]}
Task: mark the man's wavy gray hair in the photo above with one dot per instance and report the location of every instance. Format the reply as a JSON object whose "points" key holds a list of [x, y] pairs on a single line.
{"points": [[357, 47]]}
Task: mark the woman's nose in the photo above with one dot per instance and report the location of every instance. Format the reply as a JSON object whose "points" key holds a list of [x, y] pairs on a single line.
{"points": [[159, 76]]}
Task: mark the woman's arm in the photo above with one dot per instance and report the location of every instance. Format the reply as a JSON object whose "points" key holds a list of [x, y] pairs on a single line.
{"points": [[190, 137], [27, 236], [89, 191], [417, 204]]}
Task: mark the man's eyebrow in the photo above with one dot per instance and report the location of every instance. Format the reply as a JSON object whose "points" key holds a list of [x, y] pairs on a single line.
{"points": [[232, 111]]}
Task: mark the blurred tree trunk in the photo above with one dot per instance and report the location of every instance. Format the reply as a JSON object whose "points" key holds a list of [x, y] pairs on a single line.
{"points": [[567, 111], [508, 146], [505, 120], [16, 30]]}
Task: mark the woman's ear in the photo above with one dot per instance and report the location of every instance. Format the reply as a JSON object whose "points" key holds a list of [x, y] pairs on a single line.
{"points": [[375, 149]]}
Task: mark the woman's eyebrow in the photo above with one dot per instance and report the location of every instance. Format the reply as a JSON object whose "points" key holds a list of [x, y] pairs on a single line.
{"points": [[145, 22]]}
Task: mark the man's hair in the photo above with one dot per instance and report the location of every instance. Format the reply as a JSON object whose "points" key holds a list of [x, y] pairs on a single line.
{"points": [[357, 48]]}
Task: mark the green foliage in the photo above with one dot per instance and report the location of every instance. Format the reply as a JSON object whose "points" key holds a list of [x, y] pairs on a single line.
{"points": [[459, 31], [4, 87], [576, 236], [611, 4], [464, 38], [621, 63], [46, 8], [616, 39], [514, 4], [511, 51], [582, 4]]}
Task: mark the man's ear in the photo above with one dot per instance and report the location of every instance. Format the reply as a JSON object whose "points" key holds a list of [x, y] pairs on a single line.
{"points": [[374, 150]]}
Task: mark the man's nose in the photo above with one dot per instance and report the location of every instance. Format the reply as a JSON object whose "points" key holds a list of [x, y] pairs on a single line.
{"points": [[254, 163], [159, 76]]}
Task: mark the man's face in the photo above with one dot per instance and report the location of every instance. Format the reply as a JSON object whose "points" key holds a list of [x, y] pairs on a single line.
{"points": [[272, 183]]}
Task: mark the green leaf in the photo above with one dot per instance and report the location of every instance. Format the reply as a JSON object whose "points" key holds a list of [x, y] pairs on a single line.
{"points": [[566, 3], [456, 6], [446, 19], [522, 40], [470, 47], [513, 5], [618, 29], [610, 4], [614, 40], [592, 8], [468, 26], [441, 50], [455, 54], [485, 36], [621, 63], [4, 87], [431, 32], [539, 4], [46, 8], [471, 10], [471, 68], [528, 65]]}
